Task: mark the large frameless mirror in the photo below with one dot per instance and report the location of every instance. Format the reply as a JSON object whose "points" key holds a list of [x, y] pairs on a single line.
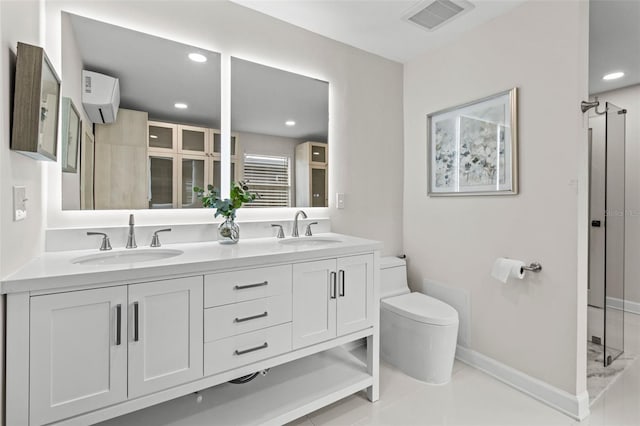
{"points": [[279, 135], [165, 138]]}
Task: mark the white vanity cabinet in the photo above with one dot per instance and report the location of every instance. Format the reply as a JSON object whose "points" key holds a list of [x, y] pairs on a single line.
{"points": [[332, 298], [78, 352], [165, 338], [88, 347]]}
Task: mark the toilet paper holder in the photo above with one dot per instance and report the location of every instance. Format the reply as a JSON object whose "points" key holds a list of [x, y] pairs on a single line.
{"points": [[533, 267]]}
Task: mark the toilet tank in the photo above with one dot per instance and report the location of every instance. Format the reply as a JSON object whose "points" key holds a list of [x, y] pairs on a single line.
{"points": [[393, 277]]}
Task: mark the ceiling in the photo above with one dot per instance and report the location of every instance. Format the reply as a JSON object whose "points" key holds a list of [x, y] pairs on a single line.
{"points": [[377, 27], [155, 73]]}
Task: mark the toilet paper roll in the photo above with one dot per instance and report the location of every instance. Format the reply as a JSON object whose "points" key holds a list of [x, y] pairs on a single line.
{"points": [[504, 268]]}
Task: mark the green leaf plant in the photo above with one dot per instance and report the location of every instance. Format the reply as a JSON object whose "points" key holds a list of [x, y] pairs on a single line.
{"points": [[226, 207]]}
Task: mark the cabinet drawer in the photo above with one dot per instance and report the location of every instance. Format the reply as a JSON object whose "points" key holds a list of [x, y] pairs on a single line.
{"points": [[238, 318], [249, 284], [243, 349]]}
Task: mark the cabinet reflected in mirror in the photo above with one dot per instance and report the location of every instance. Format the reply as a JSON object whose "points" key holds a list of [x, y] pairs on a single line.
{"points": [[281, 121]]}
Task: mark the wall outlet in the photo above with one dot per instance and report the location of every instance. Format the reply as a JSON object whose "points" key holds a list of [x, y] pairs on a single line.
{"points": [[340, 200], [19, 203]]}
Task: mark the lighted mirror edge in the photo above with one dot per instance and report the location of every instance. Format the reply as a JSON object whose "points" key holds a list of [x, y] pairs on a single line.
{"points": [[258, 213]]}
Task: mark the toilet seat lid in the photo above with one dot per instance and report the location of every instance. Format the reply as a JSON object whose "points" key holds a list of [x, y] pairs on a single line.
{"points": [[422, 308]]}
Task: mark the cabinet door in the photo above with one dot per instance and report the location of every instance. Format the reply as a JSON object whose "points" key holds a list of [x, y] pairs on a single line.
{"points": [[163, 137], [163, 181], [165, 334], [355, 293], [193, 172], [193, 140], [78, 353], [314, 302]]}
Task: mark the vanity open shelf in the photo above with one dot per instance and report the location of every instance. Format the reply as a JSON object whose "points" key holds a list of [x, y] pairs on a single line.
{"points": [[286, 392], [91, 342]]}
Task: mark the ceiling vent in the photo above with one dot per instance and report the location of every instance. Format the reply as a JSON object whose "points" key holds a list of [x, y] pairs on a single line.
{"points": [[431, 15]]}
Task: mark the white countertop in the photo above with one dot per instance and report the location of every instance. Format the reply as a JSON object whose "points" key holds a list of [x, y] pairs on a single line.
{"points": [[55, 270]]}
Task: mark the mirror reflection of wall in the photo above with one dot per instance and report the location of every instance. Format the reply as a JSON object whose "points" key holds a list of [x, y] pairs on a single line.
{"points": [[280, 122], [162, 142]]}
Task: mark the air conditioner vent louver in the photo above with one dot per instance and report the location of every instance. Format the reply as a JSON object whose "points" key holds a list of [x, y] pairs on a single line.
{"points": [[437, 13]]}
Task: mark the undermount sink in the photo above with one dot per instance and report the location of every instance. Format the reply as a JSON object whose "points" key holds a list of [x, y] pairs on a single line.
{"points": [[129, 256], [309, 241]]}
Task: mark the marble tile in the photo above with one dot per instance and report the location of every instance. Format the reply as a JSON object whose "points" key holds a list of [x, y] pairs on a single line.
{"points": [[599, 377]]}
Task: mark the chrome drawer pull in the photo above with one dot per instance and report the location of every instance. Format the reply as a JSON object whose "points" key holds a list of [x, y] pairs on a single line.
{"points": [[332, 285], [136, 322], [257, 348], [118, 324], [251, 317], [242, 287]]}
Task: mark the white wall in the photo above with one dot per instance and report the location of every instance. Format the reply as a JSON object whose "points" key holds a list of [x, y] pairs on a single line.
{"points": [[19, 241], [537, 326], [629, 99], [365, 107]]}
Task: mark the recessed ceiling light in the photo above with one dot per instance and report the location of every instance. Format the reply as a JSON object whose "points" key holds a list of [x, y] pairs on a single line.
{"points": [[613, 75], [153, 136], [197, 57], [180, 105], [290, 123]]}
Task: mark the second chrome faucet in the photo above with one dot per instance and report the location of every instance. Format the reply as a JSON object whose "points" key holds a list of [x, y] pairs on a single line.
{"points": [[295, 233]]}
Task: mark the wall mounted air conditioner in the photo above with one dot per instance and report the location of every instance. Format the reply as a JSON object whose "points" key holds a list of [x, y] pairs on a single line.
{"points": [[100, 97]]}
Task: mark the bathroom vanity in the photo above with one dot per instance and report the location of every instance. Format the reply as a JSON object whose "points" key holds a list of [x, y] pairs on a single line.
{"points": [[94, 335]]}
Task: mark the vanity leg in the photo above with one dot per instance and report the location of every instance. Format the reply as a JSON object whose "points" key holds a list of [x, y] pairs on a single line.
{"points": [[17, 372], [373, 365]]}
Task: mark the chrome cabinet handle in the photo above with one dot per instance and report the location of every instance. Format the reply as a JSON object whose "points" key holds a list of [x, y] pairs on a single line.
{"points": [[136, 313], [251, 317], [341, 282], [243, 287], [118, 324], [332, 285], [257, 348]]}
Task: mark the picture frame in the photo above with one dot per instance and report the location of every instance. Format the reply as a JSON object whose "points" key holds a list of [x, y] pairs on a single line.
{"points": [[71, 128], [36, 104], [472, 149]]}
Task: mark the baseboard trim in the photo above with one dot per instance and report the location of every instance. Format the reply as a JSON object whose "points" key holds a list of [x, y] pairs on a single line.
{"points": [[629, 306], [576, 406]]}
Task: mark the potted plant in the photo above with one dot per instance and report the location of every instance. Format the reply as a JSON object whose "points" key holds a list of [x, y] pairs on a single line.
{"points": [[228, 231]]}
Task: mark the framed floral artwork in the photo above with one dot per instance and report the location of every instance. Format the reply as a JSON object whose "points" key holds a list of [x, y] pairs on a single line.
{"points": [[472, 149]]}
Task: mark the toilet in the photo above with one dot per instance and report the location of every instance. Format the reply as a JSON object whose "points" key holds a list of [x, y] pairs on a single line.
{"points": [[418, 333]]}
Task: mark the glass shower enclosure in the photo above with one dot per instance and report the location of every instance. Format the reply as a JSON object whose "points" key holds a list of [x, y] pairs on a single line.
{"points": [[607, 236]]}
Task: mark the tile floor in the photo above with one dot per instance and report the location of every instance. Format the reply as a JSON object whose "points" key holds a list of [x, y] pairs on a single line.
{"points": [[474, 398]]}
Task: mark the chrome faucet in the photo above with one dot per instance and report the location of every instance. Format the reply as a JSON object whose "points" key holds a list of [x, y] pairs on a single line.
{"points": [[131, 237], [294, 233]]}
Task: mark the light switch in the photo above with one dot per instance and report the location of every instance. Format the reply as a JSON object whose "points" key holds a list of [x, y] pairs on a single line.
{"points": [[19, 203], [340, 200]]}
